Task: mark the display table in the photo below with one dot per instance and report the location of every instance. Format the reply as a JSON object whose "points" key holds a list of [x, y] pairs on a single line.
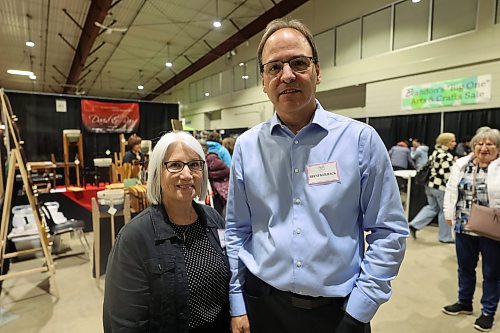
{"points": [[408, 175], [100, 215]]}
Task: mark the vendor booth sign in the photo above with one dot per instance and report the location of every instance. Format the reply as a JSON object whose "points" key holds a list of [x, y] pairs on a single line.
{"points": [[105, 117], [469, 90]]}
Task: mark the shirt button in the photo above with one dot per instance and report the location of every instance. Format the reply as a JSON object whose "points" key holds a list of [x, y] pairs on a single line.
{"points": [[299, 263], [298, 231], [296, 170], [296, 142], [297, 201]]}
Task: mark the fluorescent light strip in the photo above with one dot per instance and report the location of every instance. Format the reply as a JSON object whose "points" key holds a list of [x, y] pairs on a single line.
{"points": [[18, 72]]}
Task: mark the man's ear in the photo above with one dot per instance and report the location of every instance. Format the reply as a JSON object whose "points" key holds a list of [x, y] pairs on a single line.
{"points": [[318, 74]]}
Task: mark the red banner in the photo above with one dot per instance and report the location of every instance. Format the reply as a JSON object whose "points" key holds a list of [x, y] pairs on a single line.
{"points": [[105, 117]]}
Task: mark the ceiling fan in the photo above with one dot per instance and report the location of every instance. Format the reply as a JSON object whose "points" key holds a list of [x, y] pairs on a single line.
{"points": [[109, 29]]}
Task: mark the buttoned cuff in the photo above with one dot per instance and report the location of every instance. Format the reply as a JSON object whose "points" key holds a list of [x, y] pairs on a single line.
{"points": [[237, 305], [361, 307]]}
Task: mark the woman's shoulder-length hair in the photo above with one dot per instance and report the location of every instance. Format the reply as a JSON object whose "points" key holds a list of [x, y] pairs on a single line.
{"points": [[156, 159]]}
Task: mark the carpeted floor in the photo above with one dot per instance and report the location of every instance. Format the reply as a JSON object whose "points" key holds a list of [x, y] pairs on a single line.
{"points": [[426, 282]]}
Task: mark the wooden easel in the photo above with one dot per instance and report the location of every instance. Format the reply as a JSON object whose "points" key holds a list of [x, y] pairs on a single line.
{"points": [[16, 156]]}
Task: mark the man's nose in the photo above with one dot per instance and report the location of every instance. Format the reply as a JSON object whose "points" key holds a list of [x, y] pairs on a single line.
{"points": [[287, 74]]}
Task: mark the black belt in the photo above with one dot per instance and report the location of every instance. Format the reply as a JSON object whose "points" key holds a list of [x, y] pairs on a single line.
{"points": [[305, 301], [297, 300]]}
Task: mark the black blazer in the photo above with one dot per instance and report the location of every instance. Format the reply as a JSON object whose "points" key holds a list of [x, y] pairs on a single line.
{"points": [[146, 286]]}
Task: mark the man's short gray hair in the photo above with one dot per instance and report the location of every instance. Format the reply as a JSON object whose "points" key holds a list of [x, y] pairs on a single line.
{"points": [[279, 24], [157, 157]]}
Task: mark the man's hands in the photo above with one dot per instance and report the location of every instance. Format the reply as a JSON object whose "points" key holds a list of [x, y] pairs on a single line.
{"points": [[240, 324], [350, 325]]}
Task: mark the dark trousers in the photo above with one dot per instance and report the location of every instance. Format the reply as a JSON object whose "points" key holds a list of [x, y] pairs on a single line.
{"points": [[468, 249], [273, 310]]}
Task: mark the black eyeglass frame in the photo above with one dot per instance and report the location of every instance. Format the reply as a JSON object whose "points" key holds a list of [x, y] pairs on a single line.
{"points": [[166, 163], [313, 59]]}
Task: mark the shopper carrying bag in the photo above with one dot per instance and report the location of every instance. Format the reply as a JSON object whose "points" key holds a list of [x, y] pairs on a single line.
{"points": [[475, 183], [484, 221]]}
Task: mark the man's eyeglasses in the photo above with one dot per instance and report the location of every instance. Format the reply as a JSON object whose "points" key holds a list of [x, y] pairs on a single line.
{"points": [[297, 65], [178, 166]]}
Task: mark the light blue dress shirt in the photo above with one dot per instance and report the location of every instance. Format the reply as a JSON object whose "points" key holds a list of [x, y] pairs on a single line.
{"points": [[309, 239]]}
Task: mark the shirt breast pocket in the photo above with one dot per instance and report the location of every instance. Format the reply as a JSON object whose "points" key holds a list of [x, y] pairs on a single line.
{"points": [[159, 266]]}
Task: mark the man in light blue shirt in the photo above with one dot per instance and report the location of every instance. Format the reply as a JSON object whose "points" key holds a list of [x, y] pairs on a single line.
{"points": [[307, 188]]}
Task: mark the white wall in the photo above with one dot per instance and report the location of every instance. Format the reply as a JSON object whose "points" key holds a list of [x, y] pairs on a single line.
{"points": [[384, 98], [469, 54]]}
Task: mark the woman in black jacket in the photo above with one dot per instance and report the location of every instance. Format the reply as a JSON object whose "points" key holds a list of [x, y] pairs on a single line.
{"points": [[168, 271]]}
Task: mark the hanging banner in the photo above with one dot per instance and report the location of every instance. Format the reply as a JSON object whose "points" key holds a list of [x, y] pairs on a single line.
{"points": [[105, 117], [469, 90]]}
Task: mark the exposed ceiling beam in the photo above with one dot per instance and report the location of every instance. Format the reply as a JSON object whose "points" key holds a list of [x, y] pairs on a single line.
{"points": [[251, 29], [97, 12]]}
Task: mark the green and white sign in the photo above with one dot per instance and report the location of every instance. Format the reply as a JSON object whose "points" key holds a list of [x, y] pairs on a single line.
{"points": [[469, 90]]}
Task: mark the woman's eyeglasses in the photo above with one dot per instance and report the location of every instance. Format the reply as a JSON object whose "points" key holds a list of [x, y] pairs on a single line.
{"points": [[297, 65], [178, 166]]}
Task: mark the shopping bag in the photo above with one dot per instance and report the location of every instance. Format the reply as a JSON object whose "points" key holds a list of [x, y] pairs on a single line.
{"points": [[484, 221], [423, 174]]}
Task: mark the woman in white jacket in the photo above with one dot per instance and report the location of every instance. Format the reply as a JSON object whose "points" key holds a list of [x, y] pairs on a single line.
{"points": [[484, 166]]}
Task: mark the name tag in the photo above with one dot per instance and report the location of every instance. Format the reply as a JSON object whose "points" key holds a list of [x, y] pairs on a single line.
{"points": [[322, 173], [222, 233]]}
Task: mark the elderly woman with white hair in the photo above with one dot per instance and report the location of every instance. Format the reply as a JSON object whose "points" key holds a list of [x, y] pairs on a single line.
{"points": [[168, 271], [475, 178]]}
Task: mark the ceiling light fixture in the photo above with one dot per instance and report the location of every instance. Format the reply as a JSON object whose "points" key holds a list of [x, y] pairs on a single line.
{"points": [[18, 72], [140, 86], [30, 44], [217, 23], [32, 76], [415, 1], [207, 94], [168, 63]]}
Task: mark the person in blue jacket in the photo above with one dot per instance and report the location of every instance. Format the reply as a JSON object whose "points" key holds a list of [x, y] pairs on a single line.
{"points": [[215, 146]]}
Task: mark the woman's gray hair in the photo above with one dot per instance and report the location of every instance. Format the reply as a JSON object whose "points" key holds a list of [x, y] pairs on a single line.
{"points": [[157, 157], [491, 134]]}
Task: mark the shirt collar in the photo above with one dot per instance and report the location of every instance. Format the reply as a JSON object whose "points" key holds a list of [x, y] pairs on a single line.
{"points": [[320, 118], [161, 225]]}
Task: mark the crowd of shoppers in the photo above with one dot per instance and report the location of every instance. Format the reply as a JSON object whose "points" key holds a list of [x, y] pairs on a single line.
{"points": [[178, 266]]}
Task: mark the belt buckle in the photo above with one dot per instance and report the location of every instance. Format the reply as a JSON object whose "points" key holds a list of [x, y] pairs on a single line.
{"points": [[302, 303]]}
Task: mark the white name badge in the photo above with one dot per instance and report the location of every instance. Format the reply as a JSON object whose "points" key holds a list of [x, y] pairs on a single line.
{"points": [[222, 234], [322, 173]]}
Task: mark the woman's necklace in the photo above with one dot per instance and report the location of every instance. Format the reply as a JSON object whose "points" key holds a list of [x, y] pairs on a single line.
{"points": [[182, 228]]}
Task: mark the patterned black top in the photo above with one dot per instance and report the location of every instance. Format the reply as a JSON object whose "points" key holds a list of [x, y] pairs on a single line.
{"points": [[208, 275], [465, 194], [442, 160]]}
